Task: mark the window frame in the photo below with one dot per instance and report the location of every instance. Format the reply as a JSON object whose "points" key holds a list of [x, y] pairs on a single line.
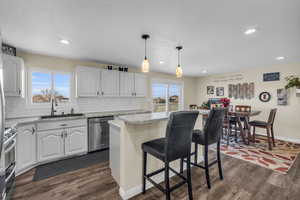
{"points": [[52, 73], [169, 82]]}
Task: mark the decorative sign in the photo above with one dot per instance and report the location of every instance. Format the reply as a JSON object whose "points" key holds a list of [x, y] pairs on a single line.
{"points": [[275, 76], [210, 89], [7, 49], [282, 97], [265, 96], [230, 78], [220, 91]]}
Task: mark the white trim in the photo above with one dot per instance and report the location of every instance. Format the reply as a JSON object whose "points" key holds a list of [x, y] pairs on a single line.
{"points": [[127, 194]]}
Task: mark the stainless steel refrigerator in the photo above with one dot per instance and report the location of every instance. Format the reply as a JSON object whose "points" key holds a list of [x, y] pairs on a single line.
{"points": [[2, 119]]}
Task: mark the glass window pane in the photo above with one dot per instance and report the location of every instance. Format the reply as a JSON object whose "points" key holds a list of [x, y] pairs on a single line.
{"points": [[62, 84], [174, 97], [159, 94], [41, 87]]}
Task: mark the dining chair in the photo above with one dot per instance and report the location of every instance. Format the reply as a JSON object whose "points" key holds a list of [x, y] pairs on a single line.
{"points": [[211, 134], [228, 127], [266, 125], [175, 145]]}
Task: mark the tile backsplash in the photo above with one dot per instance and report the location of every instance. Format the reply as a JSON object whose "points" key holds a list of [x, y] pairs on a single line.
{"points": [[18, 107]]}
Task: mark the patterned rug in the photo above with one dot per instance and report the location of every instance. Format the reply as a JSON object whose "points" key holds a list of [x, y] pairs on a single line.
{"points": [[280, 159]]}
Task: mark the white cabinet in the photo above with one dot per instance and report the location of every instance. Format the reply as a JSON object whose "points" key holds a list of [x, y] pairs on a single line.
{"points": [[26, 147], [75, 140], [126, 84], [87, 81], [50, 145], [140, 85], [110, 83], [13, 70]]}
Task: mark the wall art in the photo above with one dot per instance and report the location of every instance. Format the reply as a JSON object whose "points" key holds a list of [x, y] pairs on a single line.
{"points": [[265, 96], [220, 91], [282, 97], [241, 91], [210, 90], [274, 76]]}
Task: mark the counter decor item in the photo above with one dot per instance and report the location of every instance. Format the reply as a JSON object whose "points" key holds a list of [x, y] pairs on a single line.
{"points": [[205, 105], [225, 102], [293, 81], [265, 96]]}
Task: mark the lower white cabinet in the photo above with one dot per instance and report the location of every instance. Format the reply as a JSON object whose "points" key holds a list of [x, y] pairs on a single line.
{"points": [[50, 145], [26, 147], [75, 140]]}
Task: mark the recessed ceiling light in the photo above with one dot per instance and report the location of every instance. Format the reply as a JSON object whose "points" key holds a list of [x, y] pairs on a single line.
{"points": [[280, 58], [204, 71], [250, 31], [161, 62], [64, 41]]}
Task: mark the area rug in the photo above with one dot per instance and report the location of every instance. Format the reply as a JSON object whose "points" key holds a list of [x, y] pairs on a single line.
{"points": [[280, 159]]}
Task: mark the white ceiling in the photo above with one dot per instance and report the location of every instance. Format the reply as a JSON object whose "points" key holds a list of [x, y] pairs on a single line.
{"points": [[211, 31]]}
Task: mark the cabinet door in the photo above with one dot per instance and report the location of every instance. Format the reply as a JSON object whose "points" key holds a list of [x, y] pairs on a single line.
{"points": [[110, 82], [76, 140], [26, 147], [126, 84], [12, 75], [140, 85], [87, 81], [50, 145]]}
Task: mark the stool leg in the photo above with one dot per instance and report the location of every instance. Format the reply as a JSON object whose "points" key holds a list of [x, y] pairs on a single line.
{"points": [[206, 166], [196, 153], [181, 166], [144, 171], [273, 138], [189, 179], [219, 161], [253, 134], [269, 138], [167, 183]]}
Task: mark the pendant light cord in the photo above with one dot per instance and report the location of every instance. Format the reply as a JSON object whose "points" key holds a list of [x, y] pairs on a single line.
{"points": [[178, 58], [145, 49]]}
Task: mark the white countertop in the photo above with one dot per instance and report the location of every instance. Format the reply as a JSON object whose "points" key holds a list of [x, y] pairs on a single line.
{"points": [[138, 119]]}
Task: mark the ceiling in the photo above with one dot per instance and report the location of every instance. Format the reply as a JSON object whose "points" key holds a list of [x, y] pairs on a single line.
{"points": [[211, 31]]}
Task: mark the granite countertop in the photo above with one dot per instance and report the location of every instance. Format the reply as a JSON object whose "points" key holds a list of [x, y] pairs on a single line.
{"points": [[146, 118], [18, 121]]}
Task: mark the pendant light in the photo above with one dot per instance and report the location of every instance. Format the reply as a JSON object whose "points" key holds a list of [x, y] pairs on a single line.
{"points": [[179, 68], [145, 64]]}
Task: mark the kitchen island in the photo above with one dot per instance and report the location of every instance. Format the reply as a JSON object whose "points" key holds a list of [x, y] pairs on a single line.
{"points": [[127, 133]]}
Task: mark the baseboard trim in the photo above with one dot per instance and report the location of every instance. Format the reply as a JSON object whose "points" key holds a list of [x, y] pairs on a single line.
{"points": [[127, 194], [283, 138]]}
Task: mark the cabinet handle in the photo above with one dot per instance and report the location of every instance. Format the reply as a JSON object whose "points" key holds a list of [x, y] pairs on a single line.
{"points": [[102, 93], [63, 125], [33, 130], [19, 91], [66, 134], [98, 93], [62, 135]]}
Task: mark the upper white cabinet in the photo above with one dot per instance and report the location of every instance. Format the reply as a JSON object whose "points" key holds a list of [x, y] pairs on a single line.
{"points": [[13, 70], [140, 85], [76, 140], [110, 83], [87, 81], [26, 147], [126, 84]]}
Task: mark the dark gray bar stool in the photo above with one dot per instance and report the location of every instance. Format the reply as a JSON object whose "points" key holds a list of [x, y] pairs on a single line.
{"points": [[176, 145], [211, 134]]}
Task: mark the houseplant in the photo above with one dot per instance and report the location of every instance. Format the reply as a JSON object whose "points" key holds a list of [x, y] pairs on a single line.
{"points": [[293, 81]]}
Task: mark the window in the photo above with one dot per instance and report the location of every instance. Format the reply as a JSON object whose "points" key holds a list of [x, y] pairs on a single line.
{"points": [[166, 96], [45, 85]]}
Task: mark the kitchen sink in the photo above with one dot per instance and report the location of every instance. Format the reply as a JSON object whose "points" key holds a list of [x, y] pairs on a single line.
{"points": [[61, 116]]}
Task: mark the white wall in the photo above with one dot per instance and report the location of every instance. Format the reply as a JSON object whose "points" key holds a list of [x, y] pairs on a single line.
{"points": [[287, 123], [18, 107]]}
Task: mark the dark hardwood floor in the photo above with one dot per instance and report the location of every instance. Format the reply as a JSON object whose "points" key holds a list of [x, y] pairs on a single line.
{"points": [[243, 181]]}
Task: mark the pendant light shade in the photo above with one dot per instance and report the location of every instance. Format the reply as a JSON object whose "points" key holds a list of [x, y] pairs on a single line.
{"points": [[179, 68], [145, 64]]}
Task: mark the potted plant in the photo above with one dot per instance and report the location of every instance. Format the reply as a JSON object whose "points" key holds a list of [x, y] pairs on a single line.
{"points": [[293, 81]]}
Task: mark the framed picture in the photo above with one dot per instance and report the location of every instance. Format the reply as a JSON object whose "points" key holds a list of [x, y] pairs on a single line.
{"points": [[210, 90], [274, 76], [282, 97], [220, 91]]}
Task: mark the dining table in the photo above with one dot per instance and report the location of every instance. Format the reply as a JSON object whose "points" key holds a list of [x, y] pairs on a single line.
{"points": [[238, 115]]}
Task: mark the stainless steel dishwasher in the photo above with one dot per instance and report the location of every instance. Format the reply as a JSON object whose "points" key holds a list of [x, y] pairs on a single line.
{"points": [[98, 133]]}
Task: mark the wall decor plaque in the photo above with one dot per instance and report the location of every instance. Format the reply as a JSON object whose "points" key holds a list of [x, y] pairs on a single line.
{"points": [[210, 90], [265, 96], [274, 76], [282, 97], [220, 91]]}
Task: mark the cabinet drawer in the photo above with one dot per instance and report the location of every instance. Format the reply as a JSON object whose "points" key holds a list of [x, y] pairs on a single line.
{"points": [[42, 126]]}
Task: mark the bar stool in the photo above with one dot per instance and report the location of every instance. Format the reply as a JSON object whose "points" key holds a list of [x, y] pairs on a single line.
{"points": [[211, 134], [176, 145]]}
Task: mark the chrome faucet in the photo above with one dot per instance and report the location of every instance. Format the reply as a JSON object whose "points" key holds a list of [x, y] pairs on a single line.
{"points": [[53, 100]]}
